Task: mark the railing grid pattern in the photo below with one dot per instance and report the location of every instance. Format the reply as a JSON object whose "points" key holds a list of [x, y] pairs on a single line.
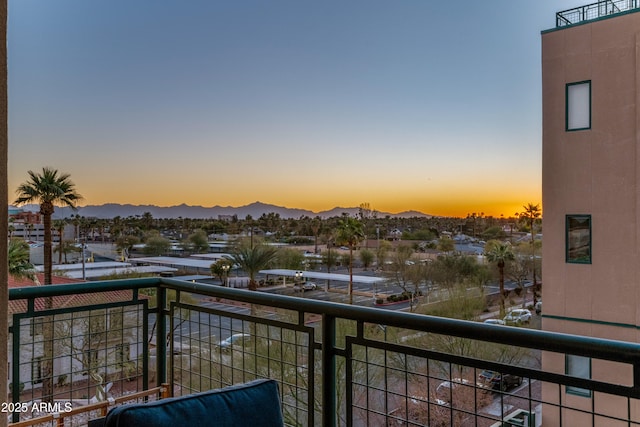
{"points": [[337, 365], [65, 358], [270, 344], [594, 11]]}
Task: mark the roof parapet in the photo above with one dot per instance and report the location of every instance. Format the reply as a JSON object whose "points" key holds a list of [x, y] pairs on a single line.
{"points": [[593, 11]]}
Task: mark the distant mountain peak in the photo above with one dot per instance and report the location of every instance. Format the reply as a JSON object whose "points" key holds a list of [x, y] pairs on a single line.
{"points": [[255, 209]]}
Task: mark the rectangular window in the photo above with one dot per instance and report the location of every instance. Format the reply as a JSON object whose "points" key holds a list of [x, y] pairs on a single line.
{"points": [[580, 367], [578, 106], [578, 239]]}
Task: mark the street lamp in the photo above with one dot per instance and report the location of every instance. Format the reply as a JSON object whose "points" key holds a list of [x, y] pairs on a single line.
{"points": [[225, 270], [299, 281]]}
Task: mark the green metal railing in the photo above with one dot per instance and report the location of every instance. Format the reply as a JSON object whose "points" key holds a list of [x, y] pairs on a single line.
{"points": [[593, 11], [336, 364]]}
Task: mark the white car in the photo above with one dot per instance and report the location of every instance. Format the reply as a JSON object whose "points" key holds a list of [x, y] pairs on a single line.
{"points": [[494, 322], [235, 340], [306, 286], [518, 316]]}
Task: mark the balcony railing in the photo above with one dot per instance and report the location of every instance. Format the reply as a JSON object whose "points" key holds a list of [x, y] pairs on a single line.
{"points": [[594, 11], [97, 342]]}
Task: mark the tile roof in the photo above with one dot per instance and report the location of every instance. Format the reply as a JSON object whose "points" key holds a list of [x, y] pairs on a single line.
{"points": [[76, 300]]}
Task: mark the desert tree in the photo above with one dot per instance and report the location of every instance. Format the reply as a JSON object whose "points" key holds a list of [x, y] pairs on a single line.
{"points": [[290, 258], [446, 245], [198, 242], [405, 273], [382, 250], [19, 264], [366, 257], [155, 244]]}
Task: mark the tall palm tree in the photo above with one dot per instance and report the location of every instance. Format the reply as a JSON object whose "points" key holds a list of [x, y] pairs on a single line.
{"points": [[316, 226], [531, 214], [19, 264], [499, 254], [253, 258], [58, 225], [49, 188], [350, 232]]}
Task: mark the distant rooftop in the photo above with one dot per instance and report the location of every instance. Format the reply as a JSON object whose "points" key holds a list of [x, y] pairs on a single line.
{"points": [[594, 11]]}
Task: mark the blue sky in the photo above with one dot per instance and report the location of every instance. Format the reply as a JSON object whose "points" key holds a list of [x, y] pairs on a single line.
{"points": [[427, 105]]}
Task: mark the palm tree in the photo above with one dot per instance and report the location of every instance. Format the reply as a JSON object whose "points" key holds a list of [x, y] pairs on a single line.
{"points": [[48, 189], [499, 254], [19, 265], [253, 258], [316, 226], [349, 233], [58, 225], [65, 248], [530, 214]]}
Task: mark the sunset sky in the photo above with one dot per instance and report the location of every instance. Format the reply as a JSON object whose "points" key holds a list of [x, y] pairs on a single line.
{"points": [[423, 105]]}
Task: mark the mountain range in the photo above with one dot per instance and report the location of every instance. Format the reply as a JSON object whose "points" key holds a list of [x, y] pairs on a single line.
{"points": [[256, 209]]}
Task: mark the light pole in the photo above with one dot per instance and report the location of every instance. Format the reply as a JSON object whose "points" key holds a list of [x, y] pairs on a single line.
{"points": [[84, 274], [225, 273], [298, 280]]}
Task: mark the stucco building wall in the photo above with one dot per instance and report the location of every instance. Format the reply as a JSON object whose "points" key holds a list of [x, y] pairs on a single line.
{"points": [[592, 172]]}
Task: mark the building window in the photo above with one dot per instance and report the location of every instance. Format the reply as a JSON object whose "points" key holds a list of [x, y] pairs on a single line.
{"points": [[580, 367], [578, 106], [578, 239]]}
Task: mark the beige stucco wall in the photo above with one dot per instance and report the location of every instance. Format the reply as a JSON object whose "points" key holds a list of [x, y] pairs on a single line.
{"points": [[593, 172]]}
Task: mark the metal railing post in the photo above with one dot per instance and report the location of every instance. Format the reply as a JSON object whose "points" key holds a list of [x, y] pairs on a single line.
{"points": [[329, 411], [15, 366], [161, 338]]}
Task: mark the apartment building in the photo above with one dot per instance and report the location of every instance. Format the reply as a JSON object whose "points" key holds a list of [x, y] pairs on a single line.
{"points": [[591, 192]]}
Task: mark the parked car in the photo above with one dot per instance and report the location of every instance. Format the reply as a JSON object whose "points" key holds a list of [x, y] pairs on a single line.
{"points": [[497, 381], [306, 286], [494, 322], [235, 340], [518, 316]]}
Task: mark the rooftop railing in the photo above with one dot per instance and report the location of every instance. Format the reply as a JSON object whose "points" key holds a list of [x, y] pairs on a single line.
{"points": [[79, 346], [594, 11]]}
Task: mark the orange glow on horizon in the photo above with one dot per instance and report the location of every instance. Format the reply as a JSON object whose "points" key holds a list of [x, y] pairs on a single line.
{"points": [[448, 207], [315, 193]]}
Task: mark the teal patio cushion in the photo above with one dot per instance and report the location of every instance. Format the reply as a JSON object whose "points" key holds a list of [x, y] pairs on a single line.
{"points": [[254, 404]]}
